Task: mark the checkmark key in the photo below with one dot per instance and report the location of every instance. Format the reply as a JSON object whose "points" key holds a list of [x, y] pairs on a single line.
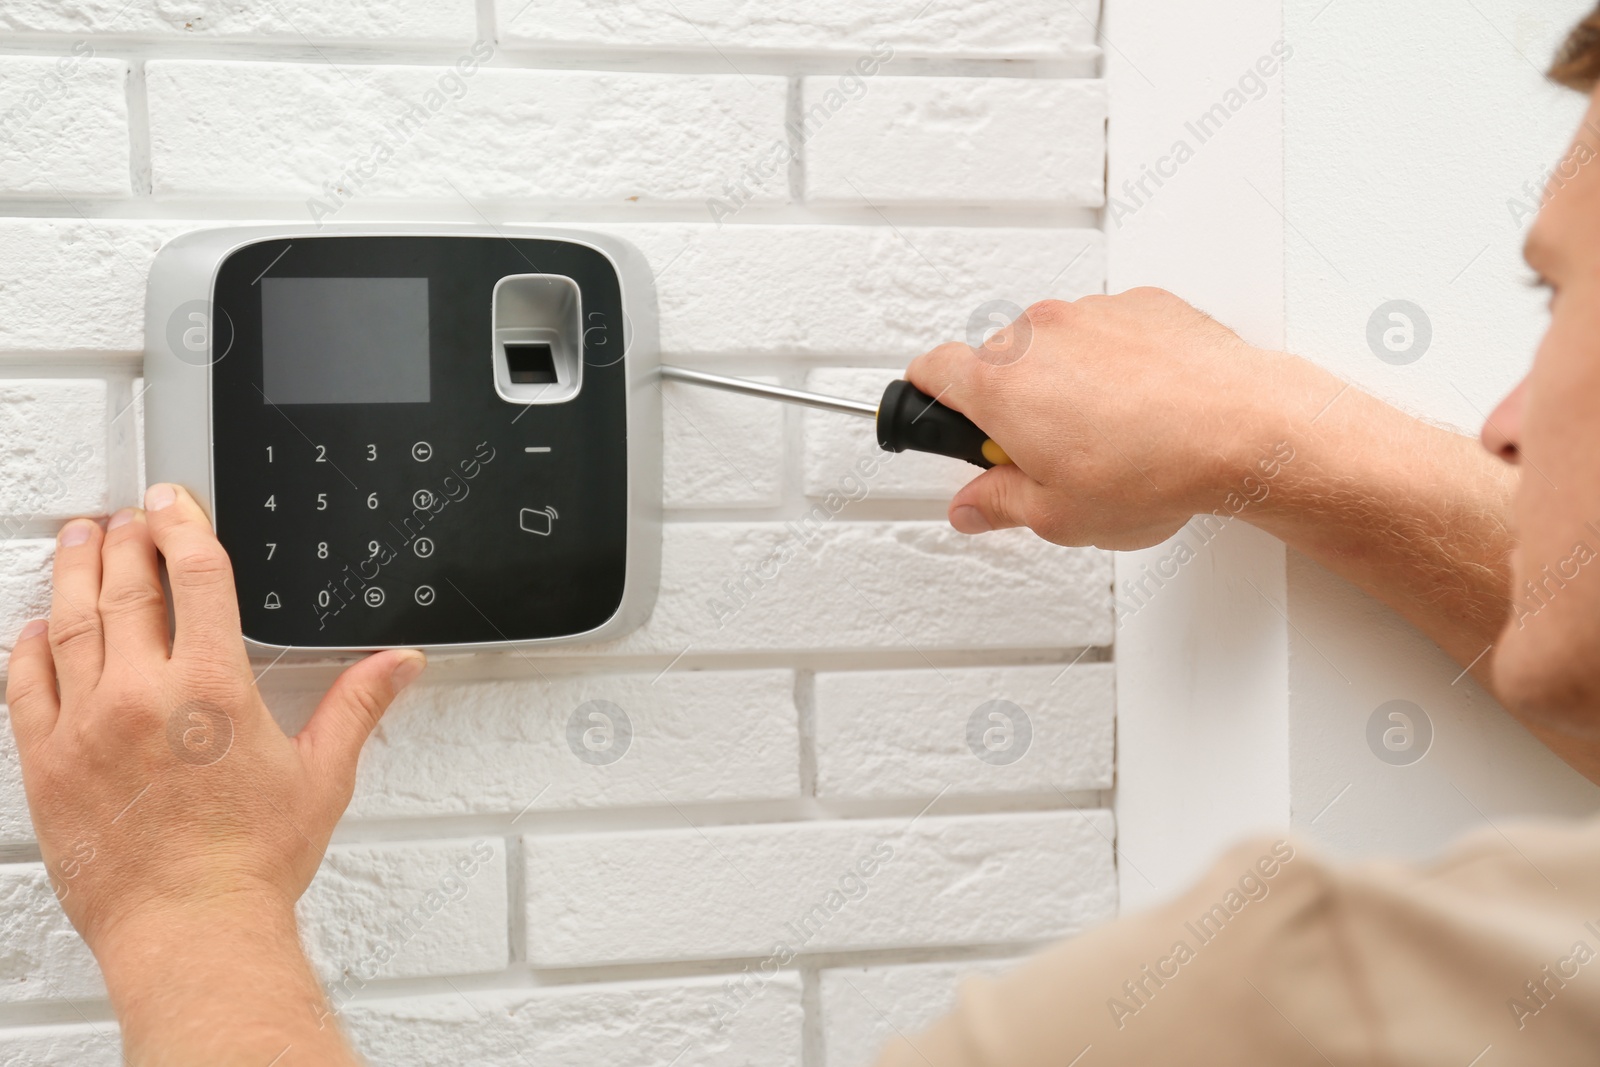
{"points": [[425, 595]]}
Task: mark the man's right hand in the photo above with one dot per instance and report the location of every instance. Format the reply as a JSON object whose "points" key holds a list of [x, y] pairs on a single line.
{"points": [[1128, 415], [1125, 415]]}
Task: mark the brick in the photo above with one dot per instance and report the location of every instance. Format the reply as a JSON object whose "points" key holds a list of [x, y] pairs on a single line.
{"points": [[82, 1045], [756, 891], [64, 125], [44, 958], [15, 824], [403, 910], [832, 291], [52, 448], [863, 1007], [297, 21], [834, 444], [815, 584], [720, 450], [1031, 28], [969, 140], [635, 1023], [913, 733], [77, 283], [327, 132], [692, 737], [24, 587], [371, 913]]}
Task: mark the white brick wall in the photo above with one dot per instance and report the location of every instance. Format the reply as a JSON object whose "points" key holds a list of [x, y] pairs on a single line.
{"points": [[53, 447], [912, 733], [812, 751], [24, 583], [64, 125], [501, 747], [977, 140], [775, 291], [652, 1024], [496, 134], [295, 21], [1033, 28], [864, 1007], [721, 450], [838, 886]]}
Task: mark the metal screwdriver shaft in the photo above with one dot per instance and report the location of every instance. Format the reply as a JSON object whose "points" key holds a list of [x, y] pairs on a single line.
{"points": [[771, 392], [907, 420]]}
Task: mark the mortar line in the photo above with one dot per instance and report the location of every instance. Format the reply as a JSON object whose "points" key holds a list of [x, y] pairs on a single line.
{"points": [[813, 1046], [516, 899], [1041, 215], [488, 28], [805, 702], [793, 126], [532, 980], [141, 166], [1078, 66]]}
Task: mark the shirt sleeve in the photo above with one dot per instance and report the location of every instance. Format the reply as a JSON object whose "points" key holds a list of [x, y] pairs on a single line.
{"points": [[1277, 956]]}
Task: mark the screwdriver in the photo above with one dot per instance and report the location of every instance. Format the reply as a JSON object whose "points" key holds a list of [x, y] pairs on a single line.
{"points": [[908, 419]]}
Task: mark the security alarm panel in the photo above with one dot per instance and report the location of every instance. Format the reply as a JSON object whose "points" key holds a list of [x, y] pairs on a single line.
{"points": [[432, 437]]}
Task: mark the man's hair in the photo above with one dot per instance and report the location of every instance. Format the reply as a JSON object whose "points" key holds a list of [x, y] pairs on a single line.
{"points": [[1577, 63]]}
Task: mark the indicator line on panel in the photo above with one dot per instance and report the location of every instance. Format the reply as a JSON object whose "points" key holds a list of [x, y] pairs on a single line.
{"points": [[274, 263], [537, 448]]}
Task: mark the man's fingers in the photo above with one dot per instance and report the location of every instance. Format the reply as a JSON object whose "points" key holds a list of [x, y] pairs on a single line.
{"points": [[203, 601], [999, 499], [350, 710], [31, 686], [76, 640], [132, 607], [947, 373]]}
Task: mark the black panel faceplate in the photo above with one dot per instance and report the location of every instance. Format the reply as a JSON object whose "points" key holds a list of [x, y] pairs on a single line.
{"points": [[481, 534]]}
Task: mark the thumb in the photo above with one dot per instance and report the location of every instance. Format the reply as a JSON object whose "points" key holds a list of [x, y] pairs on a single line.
{"points": [[998, 499], [351, 708]]}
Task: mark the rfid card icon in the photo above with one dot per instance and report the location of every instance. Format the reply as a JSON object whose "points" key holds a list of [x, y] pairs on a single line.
{"points": [[540, 521]]}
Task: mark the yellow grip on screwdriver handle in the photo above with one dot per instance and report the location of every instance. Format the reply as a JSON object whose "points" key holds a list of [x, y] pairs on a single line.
{"points": [[910, 420]]}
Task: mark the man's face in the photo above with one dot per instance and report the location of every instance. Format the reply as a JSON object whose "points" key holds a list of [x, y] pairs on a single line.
{"points": [[1547, 661]]}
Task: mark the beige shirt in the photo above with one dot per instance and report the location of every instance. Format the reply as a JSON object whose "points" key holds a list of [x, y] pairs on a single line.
{"points": [[1488, 958]]}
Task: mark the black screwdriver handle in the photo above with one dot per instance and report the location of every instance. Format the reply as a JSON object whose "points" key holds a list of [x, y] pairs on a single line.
{"points": [[910, 420]]}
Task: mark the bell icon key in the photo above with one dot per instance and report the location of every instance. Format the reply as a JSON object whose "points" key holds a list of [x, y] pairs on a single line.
{"points": [[272, 603]]}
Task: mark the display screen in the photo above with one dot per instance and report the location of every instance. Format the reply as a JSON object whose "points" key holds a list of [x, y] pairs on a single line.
{"points": [[344, 340]]}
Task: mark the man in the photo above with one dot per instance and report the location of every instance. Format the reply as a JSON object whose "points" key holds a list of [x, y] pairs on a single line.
{"points": [[1127, 415]]}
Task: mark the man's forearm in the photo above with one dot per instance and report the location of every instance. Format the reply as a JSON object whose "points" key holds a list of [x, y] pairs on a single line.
{"points": [[1412, 514], [224, 988]]}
